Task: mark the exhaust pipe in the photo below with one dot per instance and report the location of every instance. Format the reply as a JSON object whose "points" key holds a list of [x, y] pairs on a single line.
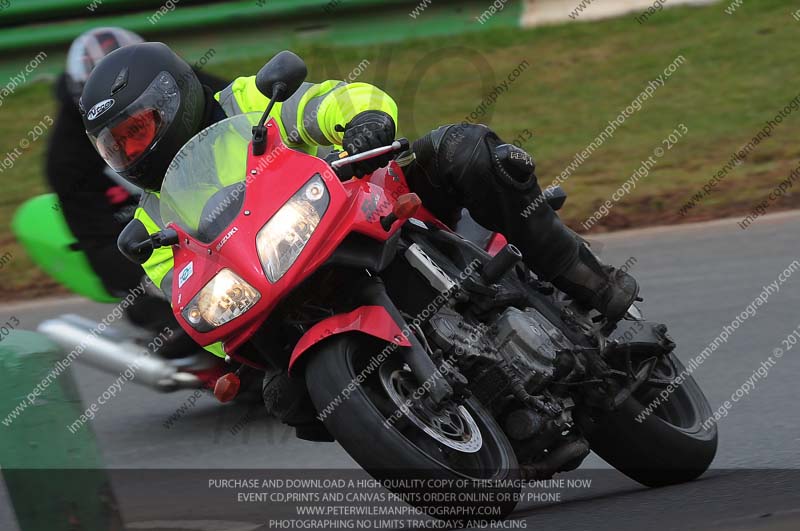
{"points": [[114, 353]]}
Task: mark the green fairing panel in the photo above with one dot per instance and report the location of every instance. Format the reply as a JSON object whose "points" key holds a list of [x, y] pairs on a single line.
{"points": [[40, 227]]}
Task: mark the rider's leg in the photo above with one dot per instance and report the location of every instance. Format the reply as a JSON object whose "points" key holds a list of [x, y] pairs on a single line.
{"points": [[468, 165]]}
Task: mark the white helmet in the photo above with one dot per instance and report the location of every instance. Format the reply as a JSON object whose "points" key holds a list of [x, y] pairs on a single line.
{"points": [[88, 49]]}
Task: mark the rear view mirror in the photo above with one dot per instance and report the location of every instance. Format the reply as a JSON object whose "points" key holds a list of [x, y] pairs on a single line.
{"points": [[284, 72], [134, 242]]}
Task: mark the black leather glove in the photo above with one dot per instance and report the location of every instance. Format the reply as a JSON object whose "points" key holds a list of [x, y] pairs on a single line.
{"points": [[369, 130]]}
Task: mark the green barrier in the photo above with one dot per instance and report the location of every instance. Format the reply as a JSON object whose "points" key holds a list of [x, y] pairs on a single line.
{"points": [[252, 31], [23, 11], [182, 18], [55, 479], [40, 227]]}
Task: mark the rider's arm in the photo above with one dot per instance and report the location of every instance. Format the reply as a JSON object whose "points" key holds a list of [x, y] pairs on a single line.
{"points": [[311, 115], [159, 266]]}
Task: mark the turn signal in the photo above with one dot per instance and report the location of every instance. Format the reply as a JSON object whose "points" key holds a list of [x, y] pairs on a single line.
{"points": [[405, 207], [227, 387]]}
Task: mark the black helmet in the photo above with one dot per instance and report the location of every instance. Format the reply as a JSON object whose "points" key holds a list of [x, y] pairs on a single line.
{"points": [[139, 106], [88, 49]]}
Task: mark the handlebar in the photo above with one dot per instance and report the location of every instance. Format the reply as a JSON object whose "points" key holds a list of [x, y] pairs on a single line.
{"points": [[398, 146]]}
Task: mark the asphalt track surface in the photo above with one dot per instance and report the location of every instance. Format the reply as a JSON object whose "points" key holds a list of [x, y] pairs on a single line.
{"points": [[696, 278]]}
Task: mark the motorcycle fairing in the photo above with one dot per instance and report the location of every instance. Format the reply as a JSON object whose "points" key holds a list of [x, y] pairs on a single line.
{"points": [[371, 320], [355, 206], [41, 229]]}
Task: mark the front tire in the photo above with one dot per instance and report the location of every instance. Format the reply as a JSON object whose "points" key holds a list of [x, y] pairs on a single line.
{"points": [[388, 450], [669, 445]]}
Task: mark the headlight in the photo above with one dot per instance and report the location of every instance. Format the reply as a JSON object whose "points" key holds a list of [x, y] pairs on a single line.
{"points": [[284, 236], [223, 299]]}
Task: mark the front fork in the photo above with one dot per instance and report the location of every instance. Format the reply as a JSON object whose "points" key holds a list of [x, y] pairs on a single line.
{"points": [[373, 292]]}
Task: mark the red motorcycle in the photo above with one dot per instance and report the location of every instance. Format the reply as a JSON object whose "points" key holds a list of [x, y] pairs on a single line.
{"points": [[422, 352]]}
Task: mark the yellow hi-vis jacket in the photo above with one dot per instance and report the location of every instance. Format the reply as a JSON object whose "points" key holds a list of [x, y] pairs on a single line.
{"points": [[307, 120]]}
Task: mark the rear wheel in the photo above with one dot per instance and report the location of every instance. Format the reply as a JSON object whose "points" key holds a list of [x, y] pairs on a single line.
{"points": [[665, 444], [460, 443]]}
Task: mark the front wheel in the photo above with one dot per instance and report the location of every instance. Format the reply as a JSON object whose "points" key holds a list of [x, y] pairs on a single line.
{"points": [[457, 443], [657, 437]]}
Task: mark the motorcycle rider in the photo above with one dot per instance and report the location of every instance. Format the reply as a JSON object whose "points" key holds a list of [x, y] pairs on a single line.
{"points": [[97, 204], [153, 114], [93, 205]]}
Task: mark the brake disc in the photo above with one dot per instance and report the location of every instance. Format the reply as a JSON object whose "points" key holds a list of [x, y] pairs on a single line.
{"points": [[453, 426]]}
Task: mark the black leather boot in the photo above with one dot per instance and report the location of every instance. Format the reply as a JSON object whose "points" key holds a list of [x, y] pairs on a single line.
{"points": [[554, 252], [608, 290], [288, 399], [470, 166]]}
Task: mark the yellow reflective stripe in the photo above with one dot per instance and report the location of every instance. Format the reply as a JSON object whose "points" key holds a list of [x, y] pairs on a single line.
{"points": [[334, 103], [161, 261], [227, 101], [276, 113], [344, 103], [243, 90], [311, 117], [308, 115], [150, 203], [290, 113], [158, 265], [242, 96]]}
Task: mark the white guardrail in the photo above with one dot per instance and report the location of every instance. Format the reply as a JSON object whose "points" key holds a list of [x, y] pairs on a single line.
{"points": [[541, 12]]}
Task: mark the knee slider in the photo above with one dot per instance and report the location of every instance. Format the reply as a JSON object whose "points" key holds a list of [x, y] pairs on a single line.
{"points": [[515, 167]]}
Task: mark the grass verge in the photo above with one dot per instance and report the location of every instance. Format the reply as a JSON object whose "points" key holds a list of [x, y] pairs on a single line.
{"points": [[739, 71]]}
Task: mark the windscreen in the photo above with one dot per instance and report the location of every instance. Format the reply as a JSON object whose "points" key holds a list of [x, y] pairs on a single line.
{"points": [[204, 187]]}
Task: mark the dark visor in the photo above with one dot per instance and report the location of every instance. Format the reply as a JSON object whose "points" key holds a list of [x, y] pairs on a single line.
{"points": [[131, 134]]}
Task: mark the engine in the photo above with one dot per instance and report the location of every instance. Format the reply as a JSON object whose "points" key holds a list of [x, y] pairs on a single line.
{"points": [[519, 347], [530, 344]]}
